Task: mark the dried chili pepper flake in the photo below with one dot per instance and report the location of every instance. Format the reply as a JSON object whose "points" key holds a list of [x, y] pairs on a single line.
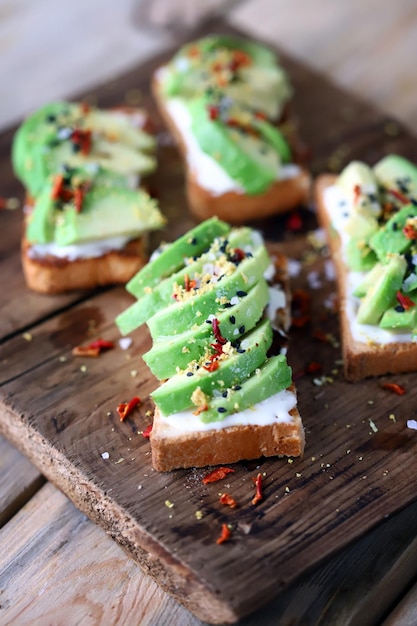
{"points": [[399, 196], [85, 107], [213, 112], [78, 199], [216, 330], [394, 387], [85, 351], [228, 500], [225, 534], [410, 231], [238, 255], [102, 344], [294, 222], [260, 116], [82, 138], [259, 494], [189, 283], [125, 408], [57, 187], [218, 474], [356, 194], [200, 409], [320, 335], [405, 301], [212, 367], [147, 432], [313, 367]]}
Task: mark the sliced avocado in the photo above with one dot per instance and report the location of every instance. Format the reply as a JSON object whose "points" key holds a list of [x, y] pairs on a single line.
{"points": [[249, 160], [172, 256], [396, 172], [169, 353], [107, 212], [398, 318], [370, 279], [360, 224], [176, 394], [360, 186], [390, 238], [162, 294], [272, 377], [41, 221], [180, 316], [275, 138], [381, 295], [359, 256]]}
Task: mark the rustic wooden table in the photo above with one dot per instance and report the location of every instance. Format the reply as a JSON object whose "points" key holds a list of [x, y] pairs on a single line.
{"points": [[57, 567]]}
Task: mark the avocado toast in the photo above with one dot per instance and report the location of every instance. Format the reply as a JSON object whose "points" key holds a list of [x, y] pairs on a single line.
{"points": [[216, 304], [86, 220], [226, 102], [370, 215]]}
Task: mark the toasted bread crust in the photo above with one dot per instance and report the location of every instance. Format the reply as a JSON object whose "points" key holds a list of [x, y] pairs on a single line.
{"points": [[53, 275], [360, 360], [227, 445], [233, 206]]}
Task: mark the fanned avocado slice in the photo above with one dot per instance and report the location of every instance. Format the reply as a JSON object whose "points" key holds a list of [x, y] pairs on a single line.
{"points": [[359, 256], [397, 172], [247, 158], [171, 257], [391, 238], [274, 376], [169, 353], [177, 393], [161, 295], [399, 318]]}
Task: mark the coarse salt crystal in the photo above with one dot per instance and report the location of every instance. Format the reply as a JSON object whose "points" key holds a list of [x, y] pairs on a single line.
{"points": [[412, 424], [125, 342], [105, 456]]}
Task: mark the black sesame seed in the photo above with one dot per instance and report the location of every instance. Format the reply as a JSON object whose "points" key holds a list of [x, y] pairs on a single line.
{"points": [[240, 350], [232, 319], [394, 226], [237, 387], [224, 394], [249, 255], [242, 329], [51, 118], [221, 409], [399, 308], [227, 305], [190, 374], [193, 241], [76, 147], [413, 201], [241, 293]]}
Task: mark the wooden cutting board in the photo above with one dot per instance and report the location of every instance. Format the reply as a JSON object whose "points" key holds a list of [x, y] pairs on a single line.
{"points": [[359, 464]]}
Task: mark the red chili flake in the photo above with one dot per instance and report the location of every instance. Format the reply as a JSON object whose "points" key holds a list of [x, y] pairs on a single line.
{"points": [[300, 308], [213, 112], [260, 116], [405, 301], [410, 231], [147, 432], [189, 284], [125, 408], [85, 107], [93, 349], [356, 194], [225, 534], [313, 367], [294, 222], [258, 484], [400, 196], [320, 335], [241, 58], [216, 330], [238, 254], [394, 387], [82, 138], [57, 187], [228, 500], [212, 367], [193, 51], [2, 203], [78, 198], [218, 474]]}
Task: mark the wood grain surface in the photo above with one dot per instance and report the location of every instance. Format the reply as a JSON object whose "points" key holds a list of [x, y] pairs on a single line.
{"points": [[60, 411]]}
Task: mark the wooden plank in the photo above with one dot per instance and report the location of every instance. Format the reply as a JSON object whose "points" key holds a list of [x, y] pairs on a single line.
{"points": [[64, 418], [19, 480]]}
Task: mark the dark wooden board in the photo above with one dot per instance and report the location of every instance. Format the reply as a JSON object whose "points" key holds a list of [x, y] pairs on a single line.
{"points": [[359, 464]]}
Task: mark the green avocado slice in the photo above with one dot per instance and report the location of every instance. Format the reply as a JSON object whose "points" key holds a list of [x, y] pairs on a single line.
{"points": [[390, 238], [170, 353], [397, 318], [381, 295], [272, 377], [162, 294], [176, 394], [107, 212], [249, 160], [394, 171], [180, 316], [171, 257]]}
